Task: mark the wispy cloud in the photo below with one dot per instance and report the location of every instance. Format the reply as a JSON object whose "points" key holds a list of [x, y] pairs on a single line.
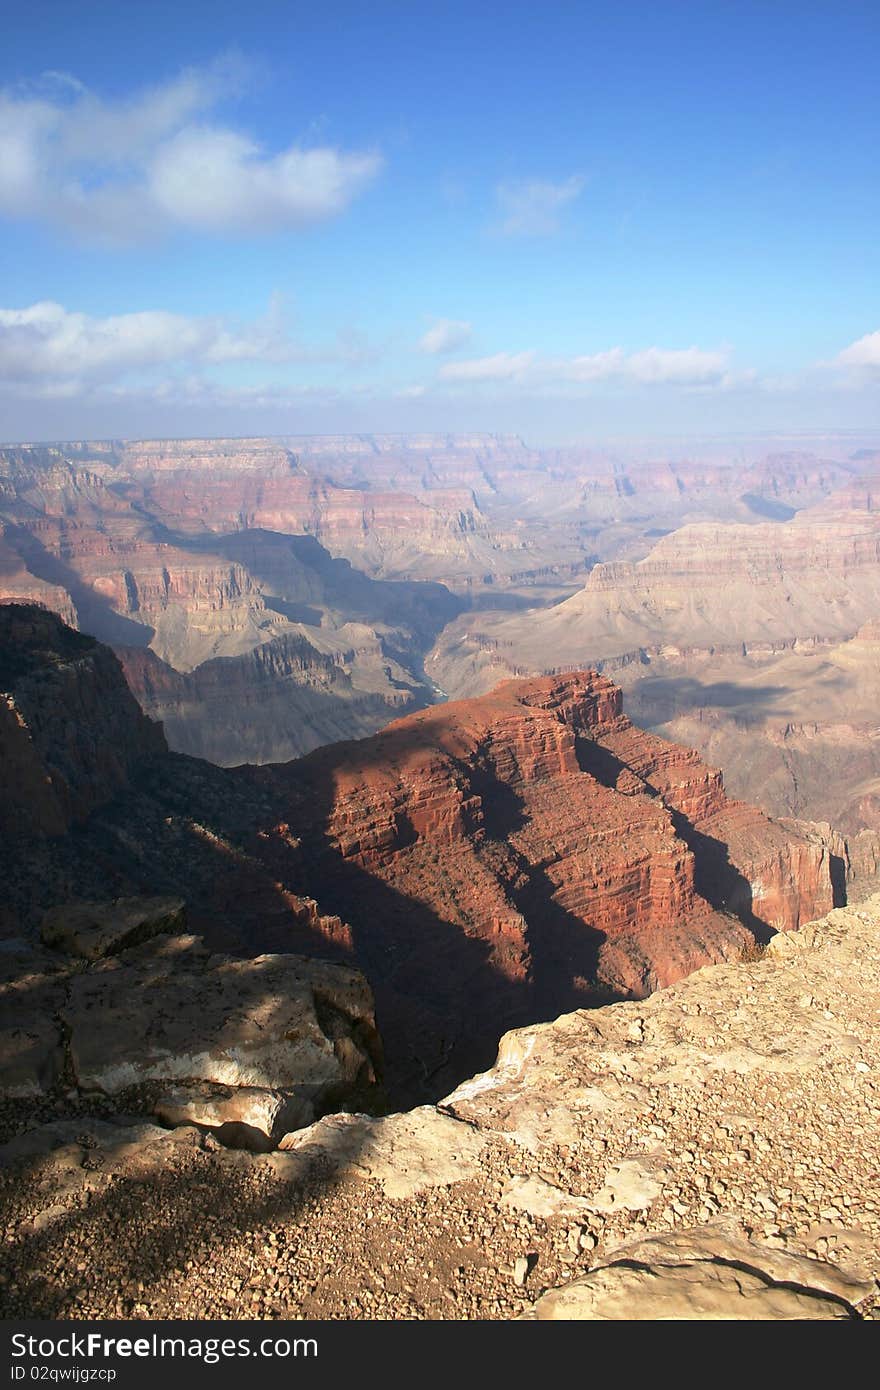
{"points": [[534, 207], [48, 344], [126, 170], [503, 366], [651, 366], [446, 335]]}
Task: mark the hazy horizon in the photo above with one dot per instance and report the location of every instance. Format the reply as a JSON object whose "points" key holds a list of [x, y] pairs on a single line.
{"points": [[730, 447]]}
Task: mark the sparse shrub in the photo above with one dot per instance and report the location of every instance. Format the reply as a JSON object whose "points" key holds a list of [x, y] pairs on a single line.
{"points": [[752, 952]]}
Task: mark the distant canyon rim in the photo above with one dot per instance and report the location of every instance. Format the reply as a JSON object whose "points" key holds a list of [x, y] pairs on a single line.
{"points": [[268, 596]]}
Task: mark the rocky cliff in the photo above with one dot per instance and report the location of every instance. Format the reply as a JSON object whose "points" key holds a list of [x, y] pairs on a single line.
{"points": [[526, 852], [71, 733], [389, 511], [754, 644], [281, 699], [495, 858], [703, 586], [288, 619], [794, 723], [206, 550]]}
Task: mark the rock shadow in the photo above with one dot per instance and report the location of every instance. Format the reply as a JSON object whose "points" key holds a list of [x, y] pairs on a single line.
{"points": [[445, 991], [94, 612], [657, 699], [716, 879], [719, 881], [143, 1236], [424, 605], [837, 867], [441, 1001]]}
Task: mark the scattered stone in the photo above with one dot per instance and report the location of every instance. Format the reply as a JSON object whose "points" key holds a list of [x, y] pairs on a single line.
{"points": [[32, 990], [174, 1225], [75, 1144], [540, 1198]]}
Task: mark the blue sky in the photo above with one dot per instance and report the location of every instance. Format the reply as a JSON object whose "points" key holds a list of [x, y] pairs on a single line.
{"points": [[572, 220]]}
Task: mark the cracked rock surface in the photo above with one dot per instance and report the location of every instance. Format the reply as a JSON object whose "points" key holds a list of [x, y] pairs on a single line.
{"points": [[707, 1273]]}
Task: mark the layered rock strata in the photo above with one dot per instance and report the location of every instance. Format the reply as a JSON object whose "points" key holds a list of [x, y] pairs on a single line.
{"points": [[529, 851], [309, 647], [702, 586], [197, 551], [794, 724]]}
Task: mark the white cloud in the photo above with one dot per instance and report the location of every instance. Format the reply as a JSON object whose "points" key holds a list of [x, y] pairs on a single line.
{"points": [[446, 335], [504, 366], [686, 367], [865, 352], [533, 207], [212, 178], [49, 344], [122, 171], [651, 366]]}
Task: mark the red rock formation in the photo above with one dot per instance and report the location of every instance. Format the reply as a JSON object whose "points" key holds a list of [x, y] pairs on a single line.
{"points": [[863, 853], [485, 863], [530, 851]]}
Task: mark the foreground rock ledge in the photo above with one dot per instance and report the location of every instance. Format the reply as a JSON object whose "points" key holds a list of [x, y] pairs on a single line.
{"points": [[710, 1152], [249, 1048]]}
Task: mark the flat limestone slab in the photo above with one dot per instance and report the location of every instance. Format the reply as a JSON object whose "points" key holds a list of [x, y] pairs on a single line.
{"points": [[543, 1199], [158, 1013], [407, 1153], [94, 930], [703, 1273]]}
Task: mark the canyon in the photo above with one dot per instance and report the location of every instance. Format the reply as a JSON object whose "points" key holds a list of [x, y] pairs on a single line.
{"points": [[268, 596], [248, 646], [192, 1130], [484, 864], [221, 980], [755, 644]]}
